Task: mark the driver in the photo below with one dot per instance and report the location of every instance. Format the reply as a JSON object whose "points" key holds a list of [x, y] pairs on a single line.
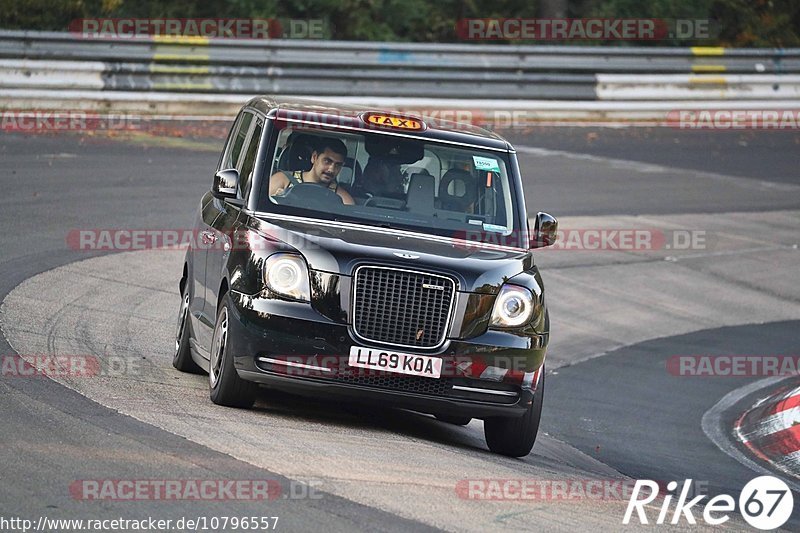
{"points": [[326, 162]]}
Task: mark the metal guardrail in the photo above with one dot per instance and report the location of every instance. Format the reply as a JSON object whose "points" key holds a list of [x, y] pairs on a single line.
{"points": [[38, 60]]}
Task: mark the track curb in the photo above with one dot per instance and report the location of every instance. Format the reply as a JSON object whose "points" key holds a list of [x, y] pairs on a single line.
{"points": [[770, 429]]}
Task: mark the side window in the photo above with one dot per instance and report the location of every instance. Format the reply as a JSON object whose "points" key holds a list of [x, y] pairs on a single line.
{"points": [[248, 163], [226, 149], [232, 157]]}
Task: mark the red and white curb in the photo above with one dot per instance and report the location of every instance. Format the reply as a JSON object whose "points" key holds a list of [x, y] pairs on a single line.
{"points": [[771, 429]]}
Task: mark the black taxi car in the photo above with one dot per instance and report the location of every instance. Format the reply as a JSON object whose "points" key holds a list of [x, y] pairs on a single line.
{"points": [[370, 256]]}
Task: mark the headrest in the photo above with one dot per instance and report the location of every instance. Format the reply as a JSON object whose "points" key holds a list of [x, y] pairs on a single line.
{"points": [[421, 195], [457, 190], [297, 154]]}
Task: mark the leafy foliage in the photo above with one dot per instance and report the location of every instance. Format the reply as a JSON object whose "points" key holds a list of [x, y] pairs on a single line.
{"points": [[736, 22]]}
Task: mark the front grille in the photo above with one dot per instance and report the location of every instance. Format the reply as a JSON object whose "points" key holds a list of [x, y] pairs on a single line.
{"points": [[402, 307]]}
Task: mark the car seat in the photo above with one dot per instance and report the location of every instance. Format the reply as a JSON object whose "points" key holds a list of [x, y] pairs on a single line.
{"points": [[296, 154], [457, 191]]}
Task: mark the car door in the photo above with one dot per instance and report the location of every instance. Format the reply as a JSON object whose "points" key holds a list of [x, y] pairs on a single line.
{"points": [[228, 212], [208, 246]]}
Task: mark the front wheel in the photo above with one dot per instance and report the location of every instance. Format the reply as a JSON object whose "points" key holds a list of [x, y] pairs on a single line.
{"points": [[226, 387], [182, 358], [514, 437]]}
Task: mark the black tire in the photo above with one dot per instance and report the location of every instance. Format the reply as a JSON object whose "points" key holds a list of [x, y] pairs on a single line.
{"points": [[515, 437], [457, 420], [182, 358], [225, 386]]}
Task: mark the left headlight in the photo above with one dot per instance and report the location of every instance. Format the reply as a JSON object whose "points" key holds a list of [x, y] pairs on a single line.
{"points": [[287, 275], [513, 307]]}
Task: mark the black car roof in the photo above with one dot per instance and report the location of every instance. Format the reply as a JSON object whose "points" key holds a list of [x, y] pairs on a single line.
{"points": [[349, 116]]}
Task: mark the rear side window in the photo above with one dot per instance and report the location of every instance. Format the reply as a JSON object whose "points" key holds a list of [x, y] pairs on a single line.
{"points": [[232, 157], [248, 164]]}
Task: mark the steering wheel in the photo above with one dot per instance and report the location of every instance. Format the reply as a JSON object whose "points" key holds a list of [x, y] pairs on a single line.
{"points": [[308, 193]]}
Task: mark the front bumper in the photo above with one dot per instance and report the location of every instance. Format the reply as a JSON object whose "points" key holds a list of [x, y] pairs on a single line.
{"points": [[264, 332]]}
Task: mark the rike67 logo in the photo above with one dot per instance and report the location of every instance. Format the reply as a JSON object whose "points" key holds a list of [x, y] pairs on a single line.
{"points": [[765, 503]]}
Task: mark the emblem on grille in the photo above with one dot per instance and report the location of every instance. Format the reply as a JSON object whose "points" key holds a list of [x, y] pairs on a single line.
{"points": [[420, 333], [406, 256], [434, 287]]}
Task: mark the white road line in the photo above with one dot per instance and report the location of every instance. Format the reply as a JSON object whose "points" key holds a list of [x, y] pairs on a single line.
{"points": [[650, 168], [723, 253]]}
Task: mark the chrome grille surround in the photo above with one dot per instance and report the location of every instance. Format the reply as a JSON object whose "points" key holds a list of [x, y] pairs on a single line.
{"points": [[391, 305]]}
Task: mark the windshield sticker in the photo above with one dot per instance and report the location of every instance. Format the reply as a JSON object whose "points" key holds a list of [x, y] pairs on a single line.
{"points": [[485, 163], [494, 227], [475, 222]]}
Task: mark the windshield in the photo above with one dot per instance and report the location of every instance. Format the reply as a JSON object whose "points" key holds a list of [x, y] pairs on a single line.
{"points": [[389, 180]]}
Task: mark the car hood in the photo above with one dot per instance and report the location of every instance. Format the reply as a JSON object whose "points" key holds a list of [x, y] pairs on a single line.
{"points": [[339, 247]]}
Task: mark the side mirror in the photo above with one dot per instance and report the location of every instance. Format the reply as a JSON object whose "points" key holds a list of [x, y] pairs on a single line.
{"points": [[226, 183], [545, 232]]}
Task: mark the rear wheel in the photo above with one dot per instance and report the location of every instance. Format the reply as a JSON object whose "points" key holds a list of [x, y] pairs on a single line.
{"points": [[182, 358], [457, 420], [226, 387], [515, 436]]}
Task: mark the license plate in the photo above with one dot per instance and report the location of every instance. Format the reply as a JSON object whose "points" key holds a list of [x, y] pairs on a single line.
{"points": [[400, 363]]}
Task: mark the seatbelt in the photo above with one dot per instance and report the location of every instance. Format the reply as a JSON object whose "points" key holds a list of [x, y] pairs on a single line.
{"points": [[294, 180]]}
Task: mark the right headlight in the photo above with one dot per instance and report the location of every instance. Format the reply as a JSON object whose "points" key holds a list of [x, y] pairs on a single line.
{"points": [[287, 275], [513, 307]]}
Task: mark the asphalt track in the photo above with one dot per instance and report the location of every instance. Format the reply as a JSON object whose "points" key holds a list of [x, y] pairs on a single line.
{"points": [[53, 436], [611, 405]]}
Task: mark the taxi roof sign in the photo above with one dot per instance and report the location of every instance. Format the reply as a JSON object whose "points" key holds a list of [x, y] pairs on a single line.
{"points": [[389, 120]]}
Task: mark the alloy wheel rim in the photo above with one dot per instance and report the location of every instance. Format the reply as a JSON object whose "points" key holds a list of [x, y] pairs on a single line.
{"points": [[181, 321], [218, 348]]}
